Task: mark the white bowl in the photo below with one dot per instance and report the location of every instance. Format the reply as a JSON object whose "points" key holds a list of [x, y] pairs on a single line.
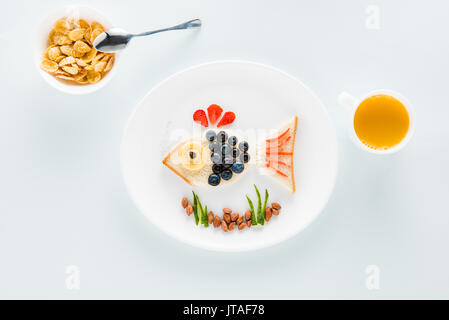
{"points": [[40, 46]]}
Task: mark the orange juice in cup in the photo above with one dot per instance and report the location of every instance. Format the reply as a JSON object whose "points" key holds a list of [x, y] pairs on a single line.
{"points": [[382, 121]]}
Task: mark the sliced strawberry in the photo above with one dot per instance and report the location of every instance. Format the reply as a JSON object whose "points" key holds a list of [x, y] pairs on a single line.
{"points": [[228, 118], [214, 112], [200, 117]]}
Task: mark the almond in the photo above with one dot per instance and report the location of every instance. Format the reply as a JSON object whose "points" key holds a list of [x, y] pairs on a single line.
{"points": [[189, 209], [268, 214], [184, 202], [210, 217], [224, 226], [227, 210], [248, 223], [248, 215], [217, 221], [227, 218], [276, 206], [275, 212], [242, 226], [234, 216], [231, 226], [240, 220]]}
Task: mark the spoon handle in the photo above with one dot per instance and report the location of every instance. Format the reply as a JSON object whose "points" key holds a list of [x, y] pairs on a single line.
{"points": [[196, 23]]}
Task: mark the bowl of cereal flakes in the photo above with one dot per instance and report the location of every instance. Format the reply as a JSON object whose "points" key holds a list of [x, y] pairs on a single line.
{"points": [[64, 53]]}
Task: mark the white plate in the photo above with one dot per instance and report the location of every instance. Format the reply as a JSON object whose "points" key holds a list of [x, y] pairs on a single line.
{"points": [[261, 97]]}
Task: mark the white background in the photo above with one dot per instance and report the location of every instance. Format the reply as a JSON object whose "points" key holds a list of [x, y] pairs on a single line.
{"points": [[63, 201]]}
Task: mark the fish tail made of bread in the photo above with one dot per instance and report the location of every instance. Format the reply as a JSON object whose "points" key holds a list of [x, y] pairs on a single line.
{"points": [[276, 154]]}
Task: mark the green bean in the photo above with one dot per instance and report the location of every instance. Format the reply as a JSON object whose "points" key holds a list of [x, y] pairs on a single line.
{"points": [[200, 210], [206, 220], [253, 214], [195, 208], [265, 204], [260, 217]]}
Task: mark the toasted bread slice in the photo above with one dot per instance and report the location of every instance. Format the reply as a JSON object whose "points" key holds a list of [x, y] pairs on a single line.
{"points": [[197, 176], [278, 154], [192, 177]]}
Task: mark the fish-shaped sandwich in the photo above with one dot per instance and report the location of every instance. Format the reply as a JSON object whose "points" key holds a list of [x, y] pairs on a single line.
{"points": [[219, 157]]}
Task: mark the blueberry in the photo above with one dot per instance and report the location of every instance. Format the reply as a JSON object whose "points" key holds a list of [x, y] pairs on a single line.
{"points": [[215, 147], [226, 149], [210, 135], [217, 168], [222, 136], [214, 179], [227, 166], [228, 160], [243, 146], [192, 155], [216, 158], [232, 140], [244, 157], [226, 175], [235, 152], [238, 167]]}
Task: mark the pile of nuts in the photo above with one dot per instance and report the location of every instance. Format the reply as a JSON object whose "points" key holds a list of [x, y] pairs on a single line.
{"points": [[231, 220], [274, 210]]}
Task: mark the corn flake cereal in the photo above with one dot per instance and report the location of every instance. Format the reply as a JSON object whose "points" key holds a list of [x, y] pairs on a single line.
{"points": [[100, 66], [67, 60], [109, 65], [83, 24], [62, 26], [70, 55], [81, 63], [93, 77], [95, 33], [71, 70], [80, 76], [54, 53], [89, 56], [49, 66], [77, 34], [81, 47], [66, 49], [96, 25], [58, 59], [64, 77]]}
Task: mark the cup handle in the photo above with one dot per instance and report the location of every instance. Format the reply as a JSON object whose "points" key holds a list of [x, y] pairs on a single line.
{"points": [[348, 101]]}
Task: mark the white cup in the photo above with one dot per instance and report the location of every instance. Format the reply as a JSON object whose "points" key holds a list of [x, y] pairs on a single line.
{"points": [[351, 103], [40, 46]]}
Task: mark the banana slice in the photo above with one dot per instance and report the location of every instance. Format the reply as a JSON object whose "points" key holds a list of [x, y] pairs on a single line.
{"points": [[192, 155]]}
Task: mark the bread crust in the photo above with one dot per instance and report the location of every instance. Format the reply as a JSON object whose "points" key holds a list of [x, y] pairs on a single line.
{"points": [[293, 154], [165, 162]]}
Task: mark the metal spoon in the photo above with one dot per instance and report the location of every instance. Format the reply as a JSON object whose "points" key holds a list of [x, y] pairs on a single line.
{"points": [[116, 39]]}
